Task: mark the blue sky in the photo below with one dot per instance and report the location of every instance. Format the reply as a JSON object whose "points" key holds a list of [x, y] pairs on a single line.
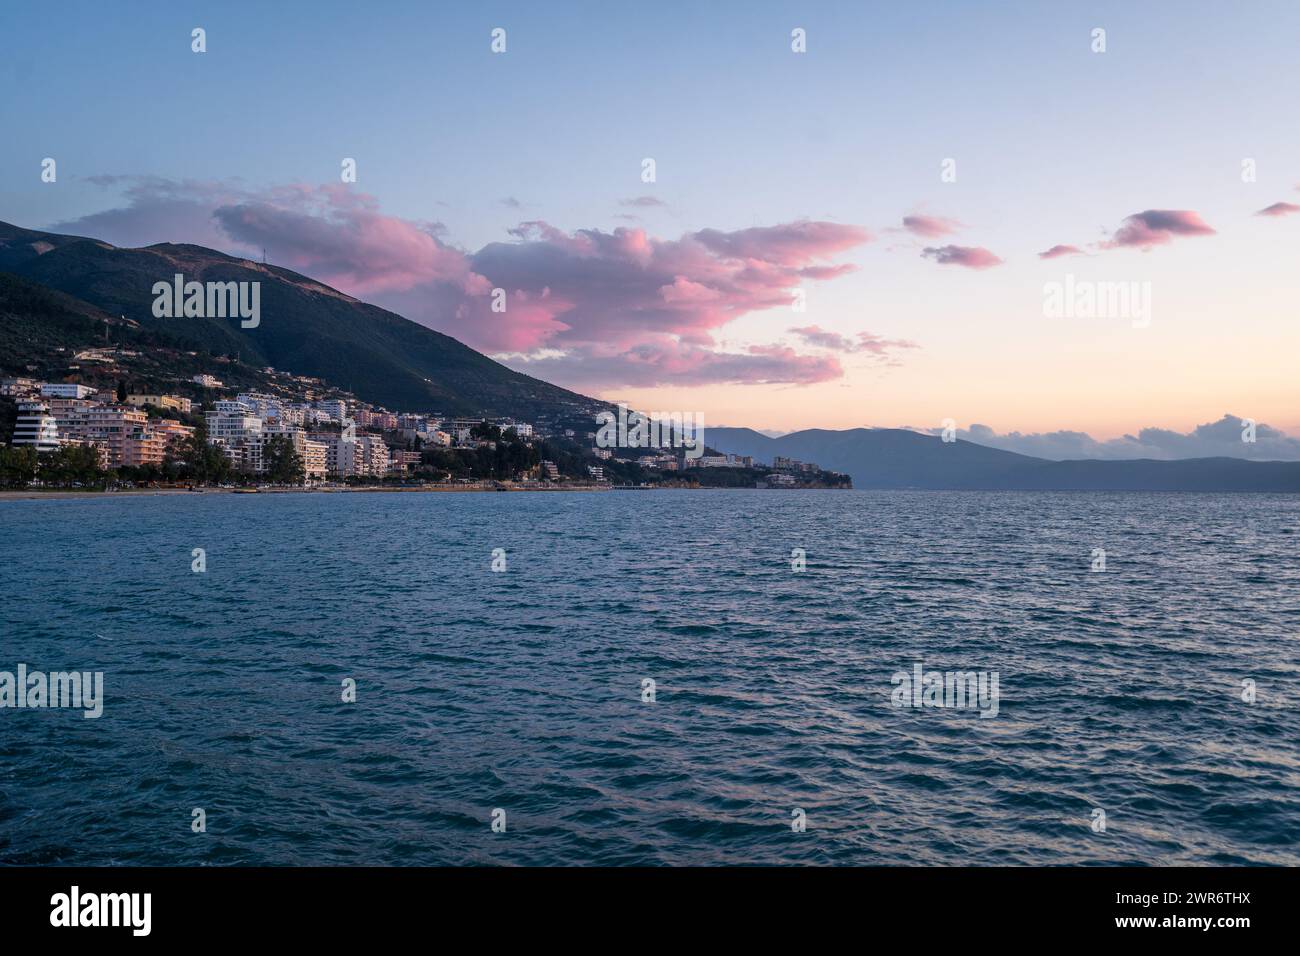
{"points": [[1054, 144]]}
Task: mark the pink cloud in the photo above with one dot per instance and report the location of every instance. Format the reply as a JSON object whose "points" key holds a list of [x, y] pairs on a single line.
{"points": [[930, 227], [1057, 251], [643, 202], [972, 257], [1279, 209], [791, 244], [1157, 227], [618, 307], [342, 238], [667, 361], [869, 342]]}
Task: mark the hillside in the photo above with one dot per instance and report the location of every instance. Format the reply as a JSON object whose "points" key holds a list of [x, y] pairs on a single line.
{"points": [[307, 328]]}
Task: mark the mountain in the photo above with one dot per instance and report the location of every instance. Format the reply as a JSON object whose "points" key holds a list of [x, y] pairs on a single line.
{"points": [[897, 458], [306, 328]]}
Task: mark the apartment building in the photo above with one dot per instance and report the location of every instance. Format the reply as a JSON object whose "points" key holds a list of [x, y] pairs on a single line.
{"points": [[19, 388], [336, 409], [230, 422], [312, 453], [340, 453], [142, 446], [373, 457], [65, 390], [68, 412], [403, 462], [116, 427], [313, 459], [171, 430], [36, 427], [173, 402]]}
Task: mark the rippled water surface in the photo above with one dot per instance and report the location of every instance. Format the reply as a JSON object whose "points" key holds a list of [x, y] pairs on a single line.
{"points": [[522, 690]]}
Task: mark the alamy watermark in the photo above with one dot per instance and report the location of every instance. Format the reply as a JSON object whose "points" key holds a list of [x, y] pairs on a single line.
{"points": [[1086, 299], [683, 430], [36, 689], [211, 300], [75, 908], [959, 690]]}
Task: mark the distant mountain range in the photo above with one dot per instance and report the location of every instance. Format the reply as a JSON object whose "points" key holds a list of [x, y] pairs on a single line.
{"points": [[897, 458], [307, 328]]}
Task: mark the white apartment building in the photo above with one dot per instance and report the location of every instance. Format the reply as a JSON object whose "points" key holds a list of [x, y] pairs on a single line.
{"points": [[231, 422], [312, 453], [36, 427], [65, 390], [260, 404], [292, 415], [340, 453], [365, 455], [337, 409], [372, 456]]}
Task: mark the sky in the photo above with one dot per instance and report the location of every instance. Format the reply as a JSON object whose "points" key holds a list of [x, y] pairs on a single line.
{"points": [[805, 256]]}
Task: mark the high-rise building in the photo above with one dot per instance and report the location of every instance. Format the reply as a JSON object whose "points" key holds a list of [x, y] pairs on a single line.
{"points": [[230, 422], [119, 428], [312, 454], [36, 427], [337, 409]]}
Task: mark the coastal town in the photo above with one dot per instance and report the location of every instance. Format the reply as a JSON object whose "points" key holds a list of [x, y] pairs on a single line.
{"points": [[69, 434]]}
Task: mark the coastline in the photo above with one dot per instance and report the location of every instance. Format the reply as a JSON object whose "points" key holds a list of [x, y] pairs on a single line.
{"points": [[65, 494], [62, 494]]}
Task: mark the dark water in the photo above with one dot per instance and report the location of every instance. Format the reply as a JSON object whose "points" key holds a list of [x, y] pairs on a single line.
{"points": [[522, 690]]}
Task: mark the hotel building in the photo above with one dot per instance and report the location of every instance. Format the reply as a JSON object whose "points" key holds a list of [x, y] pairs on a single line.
{"points": [[36, 427]]}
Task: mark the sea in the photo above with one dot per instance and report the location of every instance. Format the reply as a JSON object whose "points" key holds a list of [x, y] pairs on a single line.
{"points": [[655, 678]]}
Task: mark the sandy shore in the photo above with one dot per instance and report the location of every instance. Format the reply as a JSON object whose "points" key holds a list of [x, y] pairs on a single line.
{"points": [[61, 493]]}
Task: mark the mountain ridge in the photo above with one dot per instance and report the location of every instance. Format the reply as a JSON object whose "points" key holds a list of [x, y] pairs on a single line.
{"points": [[896, 458], [307, 327]]}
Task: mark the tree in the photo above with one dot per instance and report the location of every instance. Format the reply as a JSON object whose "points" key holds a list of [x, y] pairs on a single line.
{"points": [[70, 464], [203, 462], [121, 393], [17, 466], [283, 464]]}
